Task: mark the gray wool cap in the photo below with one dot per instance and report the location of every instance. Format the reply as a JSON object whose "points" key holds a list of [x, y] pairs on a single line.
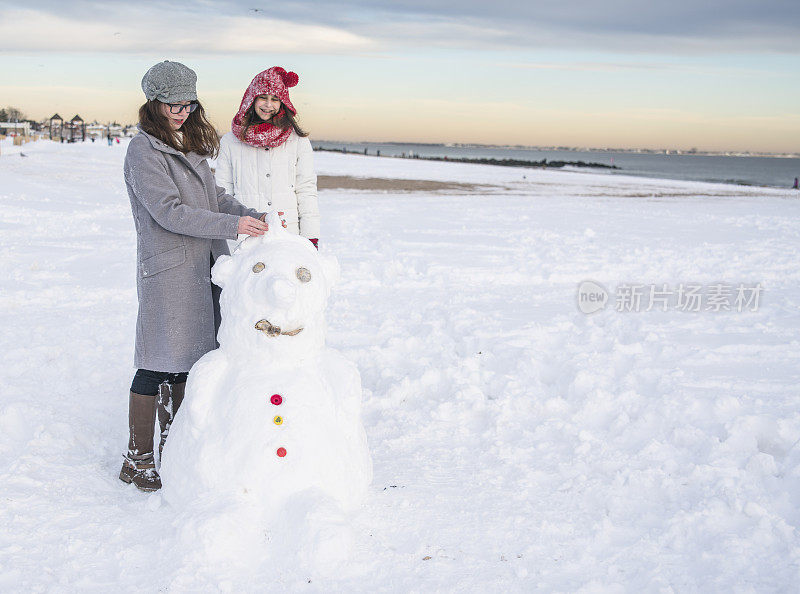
{"points": [[170, 82]]}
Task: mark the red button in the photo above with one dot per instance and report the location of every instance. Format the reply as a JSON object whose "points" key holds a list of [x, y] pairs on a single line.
{"points": [[281, 452], [276, 399]]}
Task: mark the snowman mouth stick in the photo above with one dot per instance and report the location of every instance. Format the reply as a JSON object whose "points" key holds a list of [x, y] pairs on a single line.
{"points": [[271, 330]]}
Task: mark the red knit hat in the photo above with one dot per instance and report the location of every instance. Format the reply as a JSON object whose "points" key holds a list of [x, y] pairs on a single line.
{"points": [[275, 81]]}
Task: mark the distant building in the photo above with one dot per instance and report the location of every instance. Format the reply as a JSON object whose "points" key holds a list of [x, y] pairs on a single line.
{"points": [[74, 130], [15, 128], [55, 123], [98, 130]]}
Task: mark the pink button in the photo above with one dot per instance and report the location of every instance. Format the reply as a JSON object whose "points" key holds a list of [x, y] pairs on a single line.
{"points": [[276, 399], [281, 452]]}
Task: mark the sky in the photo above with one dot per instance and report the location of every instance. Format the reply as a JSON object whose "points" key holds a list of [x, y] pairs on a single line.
{"points": [[712, 75]]}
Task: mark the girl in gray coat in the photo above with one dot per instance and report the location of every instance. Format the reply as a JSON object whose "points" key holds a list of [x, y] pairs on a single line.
{"points": [[182, 221]]}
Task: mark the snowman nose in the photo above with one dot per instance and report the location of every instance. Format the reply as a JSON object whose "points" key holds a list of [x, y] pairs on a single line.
{"points": [[283, 293]]}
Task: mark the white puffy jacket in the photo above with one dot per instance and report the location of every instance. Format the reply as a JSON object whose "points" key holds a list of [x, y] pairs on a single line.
{"points": [[280, 178]]}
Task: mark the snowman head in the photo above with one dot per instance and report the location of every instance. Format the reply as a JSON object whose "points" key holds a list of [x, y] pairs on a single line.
{"points": [[274, 291]]}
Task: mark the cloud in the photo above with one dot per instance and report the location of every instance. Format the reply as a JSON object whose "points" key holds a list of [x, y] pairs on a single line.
{"points": [[678, 26], [137, 29], [661, 67]]}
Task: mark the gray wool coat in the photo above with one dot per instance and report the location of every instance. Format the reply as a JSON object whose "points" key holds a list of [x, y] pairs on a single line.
{"points": [[182, 219]]}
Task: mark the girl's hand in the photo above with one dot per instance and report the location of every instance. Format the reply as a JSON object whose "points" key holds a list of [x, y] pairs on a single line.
{"points": [[251, 226]]}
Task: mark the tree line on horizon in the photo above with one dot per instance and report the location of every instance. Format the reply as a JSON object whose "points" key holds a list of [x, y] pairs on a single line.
{"points": [[11, 114]]}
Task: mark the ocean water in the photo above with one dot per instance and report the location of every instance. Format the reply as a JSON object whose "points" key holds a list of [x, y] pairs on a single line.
{"points": [[751, 171]]}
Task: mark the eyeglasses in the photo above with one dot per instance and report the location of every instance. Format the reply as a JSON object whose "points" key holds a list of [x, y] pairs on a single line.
{"points": [[176, 108]]}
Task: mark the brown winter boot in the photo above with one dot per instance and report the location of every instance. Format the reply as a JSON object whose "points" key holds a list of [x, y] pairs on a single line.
{"points": [[170, 397], [138, 466]]}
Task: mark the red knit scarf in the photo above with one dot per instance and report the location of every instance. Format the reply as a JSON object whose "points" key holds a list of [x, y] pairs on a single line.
{"points": [[261, 135]]}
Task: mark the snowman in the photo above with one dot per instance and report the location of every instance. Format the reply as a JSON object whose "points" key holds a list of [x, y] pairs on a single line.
{"points": [[270, 431]]}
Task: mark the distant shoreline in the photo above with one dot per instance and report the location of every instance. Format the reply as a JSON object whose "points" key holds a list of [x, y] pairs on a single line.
{"points": [[543, 163]]}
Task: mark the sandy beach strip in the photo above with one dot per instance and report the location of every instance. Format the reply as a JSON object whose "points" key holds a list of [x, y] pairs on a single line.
{"points": [[347, 182]]}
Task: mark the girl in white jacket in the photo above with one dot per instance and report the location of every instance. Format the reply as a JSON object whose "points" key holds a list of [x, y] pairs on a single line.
{"points": [[266, 161]]}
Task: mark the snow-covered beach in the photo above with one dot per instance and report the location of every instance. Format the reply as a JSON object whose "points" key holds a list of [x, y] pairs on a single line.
{"points": [[518, 443]]}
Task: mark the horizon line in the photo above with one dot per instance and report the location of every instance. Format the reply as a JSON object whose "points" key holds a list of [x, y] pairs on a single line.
{"points": [[549, 147]]}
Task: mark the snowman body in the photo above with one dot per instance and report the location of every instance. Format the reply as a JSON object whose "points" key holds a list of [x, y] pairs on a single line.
{"points": [[273, 416]]}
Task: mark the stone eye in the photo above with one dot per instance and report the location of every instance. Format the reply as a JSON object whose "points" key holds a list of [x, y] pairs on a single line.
{"points": [[303, 275], [258, 267]]}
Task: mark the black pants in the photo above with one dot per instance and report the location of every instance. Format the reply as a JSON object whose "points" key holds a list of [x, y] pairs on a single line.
{"points": [[146, 382]]}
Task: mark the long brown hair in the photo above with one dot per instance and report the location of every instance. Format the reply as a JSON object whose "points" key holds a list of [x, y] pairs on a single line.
{"points": [[283, 121], [199, 135]]}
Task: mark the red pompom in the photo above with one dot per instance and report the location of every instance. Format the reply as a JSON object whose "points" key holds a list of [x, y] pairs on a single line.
{"points": [[290, 79]]}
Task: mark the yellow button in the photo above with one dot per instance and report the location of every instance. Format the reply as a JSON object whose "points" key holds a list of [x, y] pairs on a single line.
{"points": [[277, 420]]}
